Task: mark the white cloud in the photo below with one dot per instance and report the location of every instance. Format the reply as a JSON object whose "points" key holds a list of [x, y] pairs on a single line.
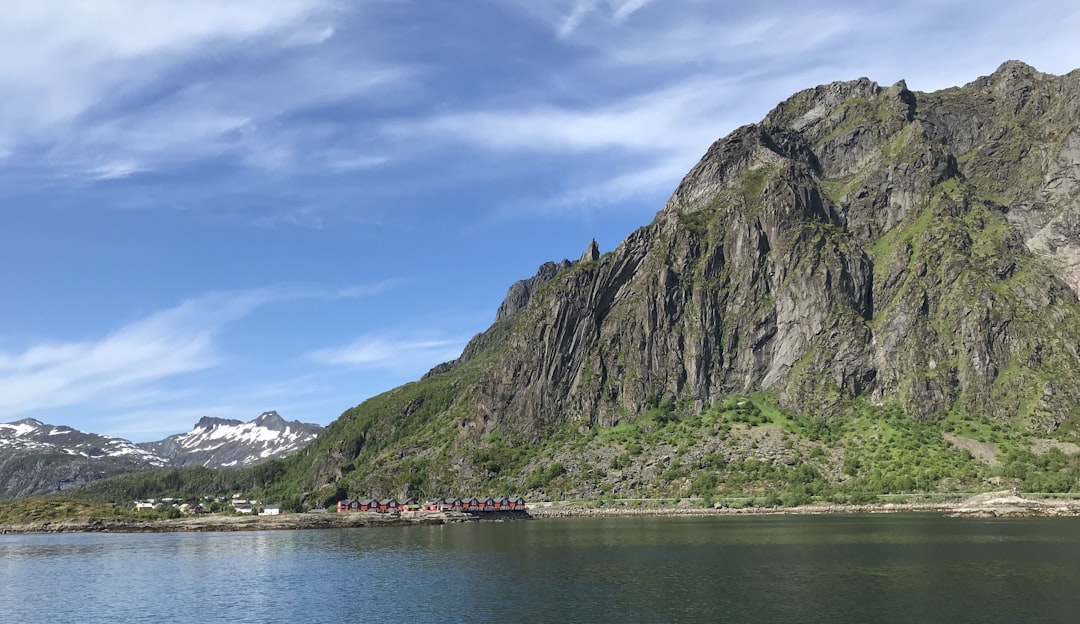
{"points": [[342, 163], [65, 57], [577, 14], [368, 290], [301, 216], [393, 353], [115, 170], [643, 144], [128, 361], [626, 8], [105, 89], [567, 16], [676, 118]]}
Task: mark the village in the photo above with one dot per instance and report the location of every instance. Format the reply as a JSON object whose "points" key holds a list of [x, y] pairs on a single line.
{"points": [[465, 505], [239, 505]]}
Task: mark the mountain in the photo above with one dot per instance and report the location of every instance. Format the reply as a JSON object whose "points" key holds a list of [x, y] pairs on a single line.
{"points": [[37, 458], [873, 289], [223, 443]]}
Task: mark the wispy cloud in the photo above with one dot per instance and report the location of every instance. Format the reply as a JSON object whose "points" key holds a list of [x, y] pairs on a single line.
{"points": [[567, 16], [626, 8], [643, 144], [113, 88], [302, 216], [64, 57], [114, 170], [132, 359], [652, 121], [368, 290], [394, 353], [577, 14]]}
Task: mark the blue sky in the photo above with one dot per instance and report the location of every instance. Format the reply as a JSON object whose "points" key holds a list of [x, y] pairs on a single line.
{"points": [[221, 208]]}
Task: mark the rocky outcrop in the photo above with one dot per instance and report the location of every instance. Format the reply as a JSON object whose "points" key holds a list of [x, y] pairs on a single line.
{"points": [[521, 292], [861, 241]]}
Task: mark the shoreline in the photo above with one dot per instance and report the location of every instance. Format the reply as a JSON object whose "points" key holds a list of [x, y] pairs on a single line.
{"points": [[989, 505], [218, 524]]}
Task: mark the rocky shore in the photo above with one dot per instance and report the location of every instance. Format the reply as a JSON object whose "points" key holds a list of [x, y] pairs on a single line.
{"points": [[989, 505], [210, 523]]}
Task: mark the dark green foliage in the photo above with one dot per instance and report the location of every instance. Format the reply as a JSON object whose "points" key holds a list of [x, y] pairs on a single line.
{"points": [[183, 483]]}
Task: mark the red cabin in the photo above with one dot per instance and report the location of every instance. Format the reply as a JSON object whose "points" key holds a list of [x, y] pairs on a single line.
{"points": [[502, 503], [348, 505], [517, 503], [368, 504]]}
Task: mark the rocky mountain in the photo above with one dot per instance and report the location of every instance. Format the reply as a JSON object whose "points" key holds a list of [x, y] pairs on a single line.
{"points": [[872, 290], [37, 458], [225, 443], [864, 252]]}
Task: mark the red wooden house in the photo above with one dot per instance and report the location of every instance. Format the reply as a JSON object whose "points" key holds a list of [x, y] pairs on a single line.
{"points": [[350, 504], [369, 504], [517, 503]]}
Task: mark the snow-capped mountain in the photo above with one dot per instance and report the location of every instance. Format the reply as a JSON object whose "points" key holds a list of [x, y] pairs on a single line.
{"points": [[36, 458], [224, 443], [33, 435]]}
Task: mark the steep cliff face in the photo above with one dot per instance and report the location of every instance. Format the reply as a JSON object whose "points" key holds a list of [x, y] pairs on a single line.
{"points": [[915, 251], [859, 242]]}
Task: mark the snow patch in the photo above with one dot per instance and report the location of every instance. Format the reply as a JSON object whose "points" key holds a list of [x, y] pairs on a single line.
{"points": [[19, 429]]}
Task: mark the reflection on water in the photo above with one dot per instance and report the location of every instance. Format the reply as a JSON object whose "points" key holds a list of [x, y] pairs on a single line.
{"points": [[730, 569]]}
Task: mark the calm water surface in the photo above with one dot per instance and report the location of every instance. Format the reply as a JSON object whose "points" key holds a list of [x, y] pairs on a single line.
{"points": [[837, 569]]}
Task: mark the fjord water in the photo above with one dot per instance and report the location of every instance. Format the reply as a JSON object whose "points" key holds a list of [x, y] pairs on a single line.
{"points": [[897, 568]]}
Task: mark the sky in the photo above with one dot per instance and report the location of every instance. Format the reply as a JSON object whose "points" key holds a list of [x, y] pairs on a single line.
{"points": [[214, 208]]}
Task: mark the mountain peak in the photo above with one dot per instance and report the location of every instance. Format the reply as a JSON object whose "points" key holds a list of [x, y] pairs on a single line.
{"points": [[270, 420], [1013, 68], [592, 252], [228, 443], [209, 422]]}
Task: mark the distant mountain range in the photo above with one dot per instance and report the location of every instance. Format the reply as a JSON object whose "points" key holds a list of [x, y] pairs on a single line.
{"points": [[37, 458]]}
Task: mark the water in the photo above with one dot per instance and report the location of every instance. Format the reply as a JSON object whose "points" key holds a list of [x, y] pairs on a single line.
{"points": [[835, 569]]}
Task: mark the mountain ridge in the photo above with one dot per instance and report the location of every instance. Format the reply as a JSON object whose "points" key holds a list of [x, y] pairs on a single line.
{"points": [[36, 457]]}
